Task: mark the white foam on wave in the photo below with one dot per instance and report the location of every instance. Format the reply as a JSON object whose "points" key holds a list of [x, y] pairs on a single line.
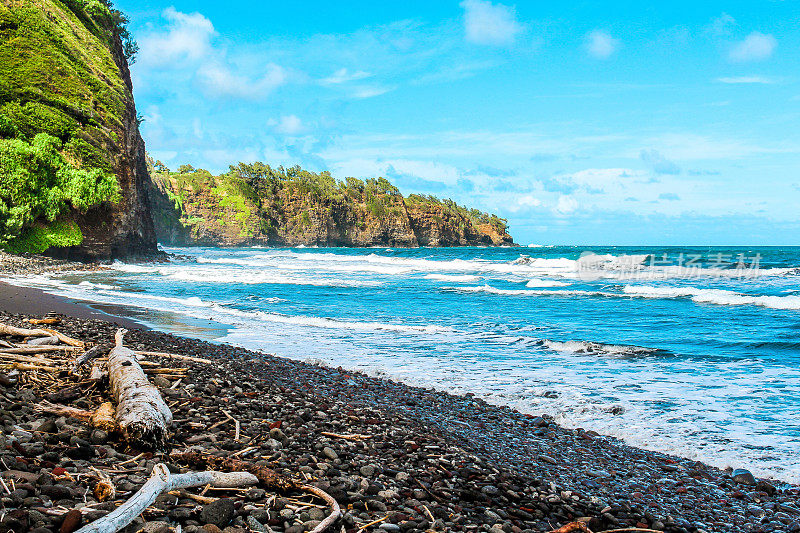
{"points": [[249, 276], [597, 348], [588, 266], [265, 276], [538, 282], [713, 296], [92, 285], [455, 278], [526, 292], [198, 308]]}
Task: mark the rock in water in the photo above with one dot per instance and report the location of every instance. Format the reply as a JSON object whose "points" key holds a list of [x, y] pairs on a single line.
{"points": [[740, 475]]}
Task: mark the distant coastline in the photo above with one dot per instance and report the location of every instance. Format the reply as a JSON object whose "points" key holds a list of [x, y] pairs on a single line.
{"points": [[255, 204]]}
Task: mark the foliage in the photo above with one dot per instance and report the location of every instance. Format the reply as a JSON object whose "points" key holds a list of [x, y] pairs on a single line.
{"points": [[38, 238], [36, 182]]}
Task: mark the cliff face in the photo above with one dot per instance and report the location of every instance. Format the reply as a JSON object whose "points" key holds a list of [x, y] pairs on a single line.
{"points": [[73, 178], [294, 207]]}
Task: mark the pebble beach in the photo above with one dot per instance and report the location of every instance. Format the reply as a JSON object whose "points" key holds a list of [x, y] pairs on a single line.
{"points": [[421, 460]]}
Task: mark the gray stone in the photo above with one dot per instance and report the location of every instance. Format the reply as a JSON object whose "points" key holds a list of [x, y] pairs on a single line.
{"points": [[161, 382], [330, 453], [257, 526], [155, 527]]}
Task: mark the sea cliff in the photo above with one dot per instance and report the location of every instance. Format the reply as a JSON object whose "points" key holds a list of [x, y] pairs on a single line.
{"points": [[73, 179], [255, 204]]}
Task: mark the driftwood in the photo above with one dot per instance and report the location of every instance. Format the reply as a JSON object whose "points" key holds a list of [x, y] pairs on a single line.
{"points": [[97, 373], [39, 349], [5, 329], [45, 321], [26, 359], [28, 367], [142, 415], [43, 341], [573, 527], [175, 356], [269, 478], [102, 418], [95, 351], [160, 482], [63, 410]]}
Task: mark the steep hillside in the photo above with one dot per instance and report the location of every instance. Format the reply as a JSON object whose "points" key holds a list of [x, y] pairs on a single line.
{"points": [[258, 204], [73, 180]]}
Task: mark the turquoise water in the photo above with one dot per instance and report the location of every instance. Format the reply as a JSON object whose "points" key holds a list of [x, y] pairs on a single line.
{"points": [[690, 351]]}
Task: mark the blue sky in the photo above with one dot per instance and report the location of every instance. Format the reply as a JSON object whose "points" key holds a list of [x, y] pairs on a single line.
{"points": [[580, 122]]}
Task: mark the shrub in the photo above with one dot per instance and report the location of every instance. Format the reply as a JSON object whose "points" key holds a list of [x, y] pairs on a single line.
{"points": [[36, 239], [37, 182]]}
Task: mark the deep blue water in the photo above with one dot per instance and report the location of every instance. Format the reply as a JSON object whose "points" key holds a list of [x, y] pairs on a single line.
{"points": [[691, 351]]}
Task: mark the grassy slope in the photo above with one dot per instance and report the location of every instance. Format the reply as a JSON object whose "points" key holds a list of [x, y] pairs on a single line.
{"points": [[58, 77]]}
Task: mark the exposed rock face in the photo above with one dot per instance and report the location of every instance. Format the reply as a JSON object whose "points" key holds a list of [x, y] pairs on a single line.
{"points": [[126, 229], [200, 209], [63, 65]]}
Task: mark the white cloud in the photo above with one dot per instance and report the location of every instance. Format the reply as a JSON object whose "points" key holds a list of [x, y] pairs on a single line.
{"points": [[566, 205], [601, 44], [721, 25], [369, 92], [218, 80], [522, 202], [289, 125], [747, 79], [488, 23], [755, 47], [659, 163], [343, 76], [183, 50], [187, 36]]}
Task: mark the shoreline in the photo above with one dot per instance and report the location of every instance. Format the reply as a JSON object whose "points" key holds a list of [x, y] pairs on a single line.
{"points": [[597, 473], [15, 299]]}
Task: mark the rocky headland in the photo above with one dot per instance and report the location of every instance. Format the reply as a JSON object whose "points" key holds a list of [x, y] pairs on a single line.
{"points": [[255, 204]]}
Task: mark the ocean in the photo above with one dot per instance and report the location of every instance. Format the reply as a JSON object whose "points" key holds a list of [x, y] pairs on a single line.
{"points": [[687, 351]]}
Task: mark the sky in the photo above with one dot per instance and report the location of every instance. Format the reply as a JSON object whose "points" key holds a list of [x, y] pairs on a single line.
{"points": [[610, 123]]}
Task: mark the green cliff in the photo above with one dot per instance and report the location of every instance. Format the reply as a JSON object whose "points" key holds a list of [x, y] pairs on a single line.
{"points": [[258, 204], [73, 180]]}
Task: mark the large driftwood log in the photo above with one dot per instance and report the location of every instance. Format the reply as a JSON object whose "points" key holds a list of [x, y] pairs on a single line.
{"points": [[142, 415], [160, 482]]}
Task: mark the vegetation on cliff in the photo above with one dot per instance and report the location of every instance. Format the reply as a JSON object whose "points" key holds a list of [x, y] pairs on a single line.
{"points": [[258, 204], [65, 110]]}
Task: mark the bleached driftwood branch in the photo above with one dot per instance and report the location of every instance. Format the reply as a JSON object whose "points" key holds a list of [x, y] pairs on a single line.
{"points": [[163, 481], [142, 415], [5, 329]]}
